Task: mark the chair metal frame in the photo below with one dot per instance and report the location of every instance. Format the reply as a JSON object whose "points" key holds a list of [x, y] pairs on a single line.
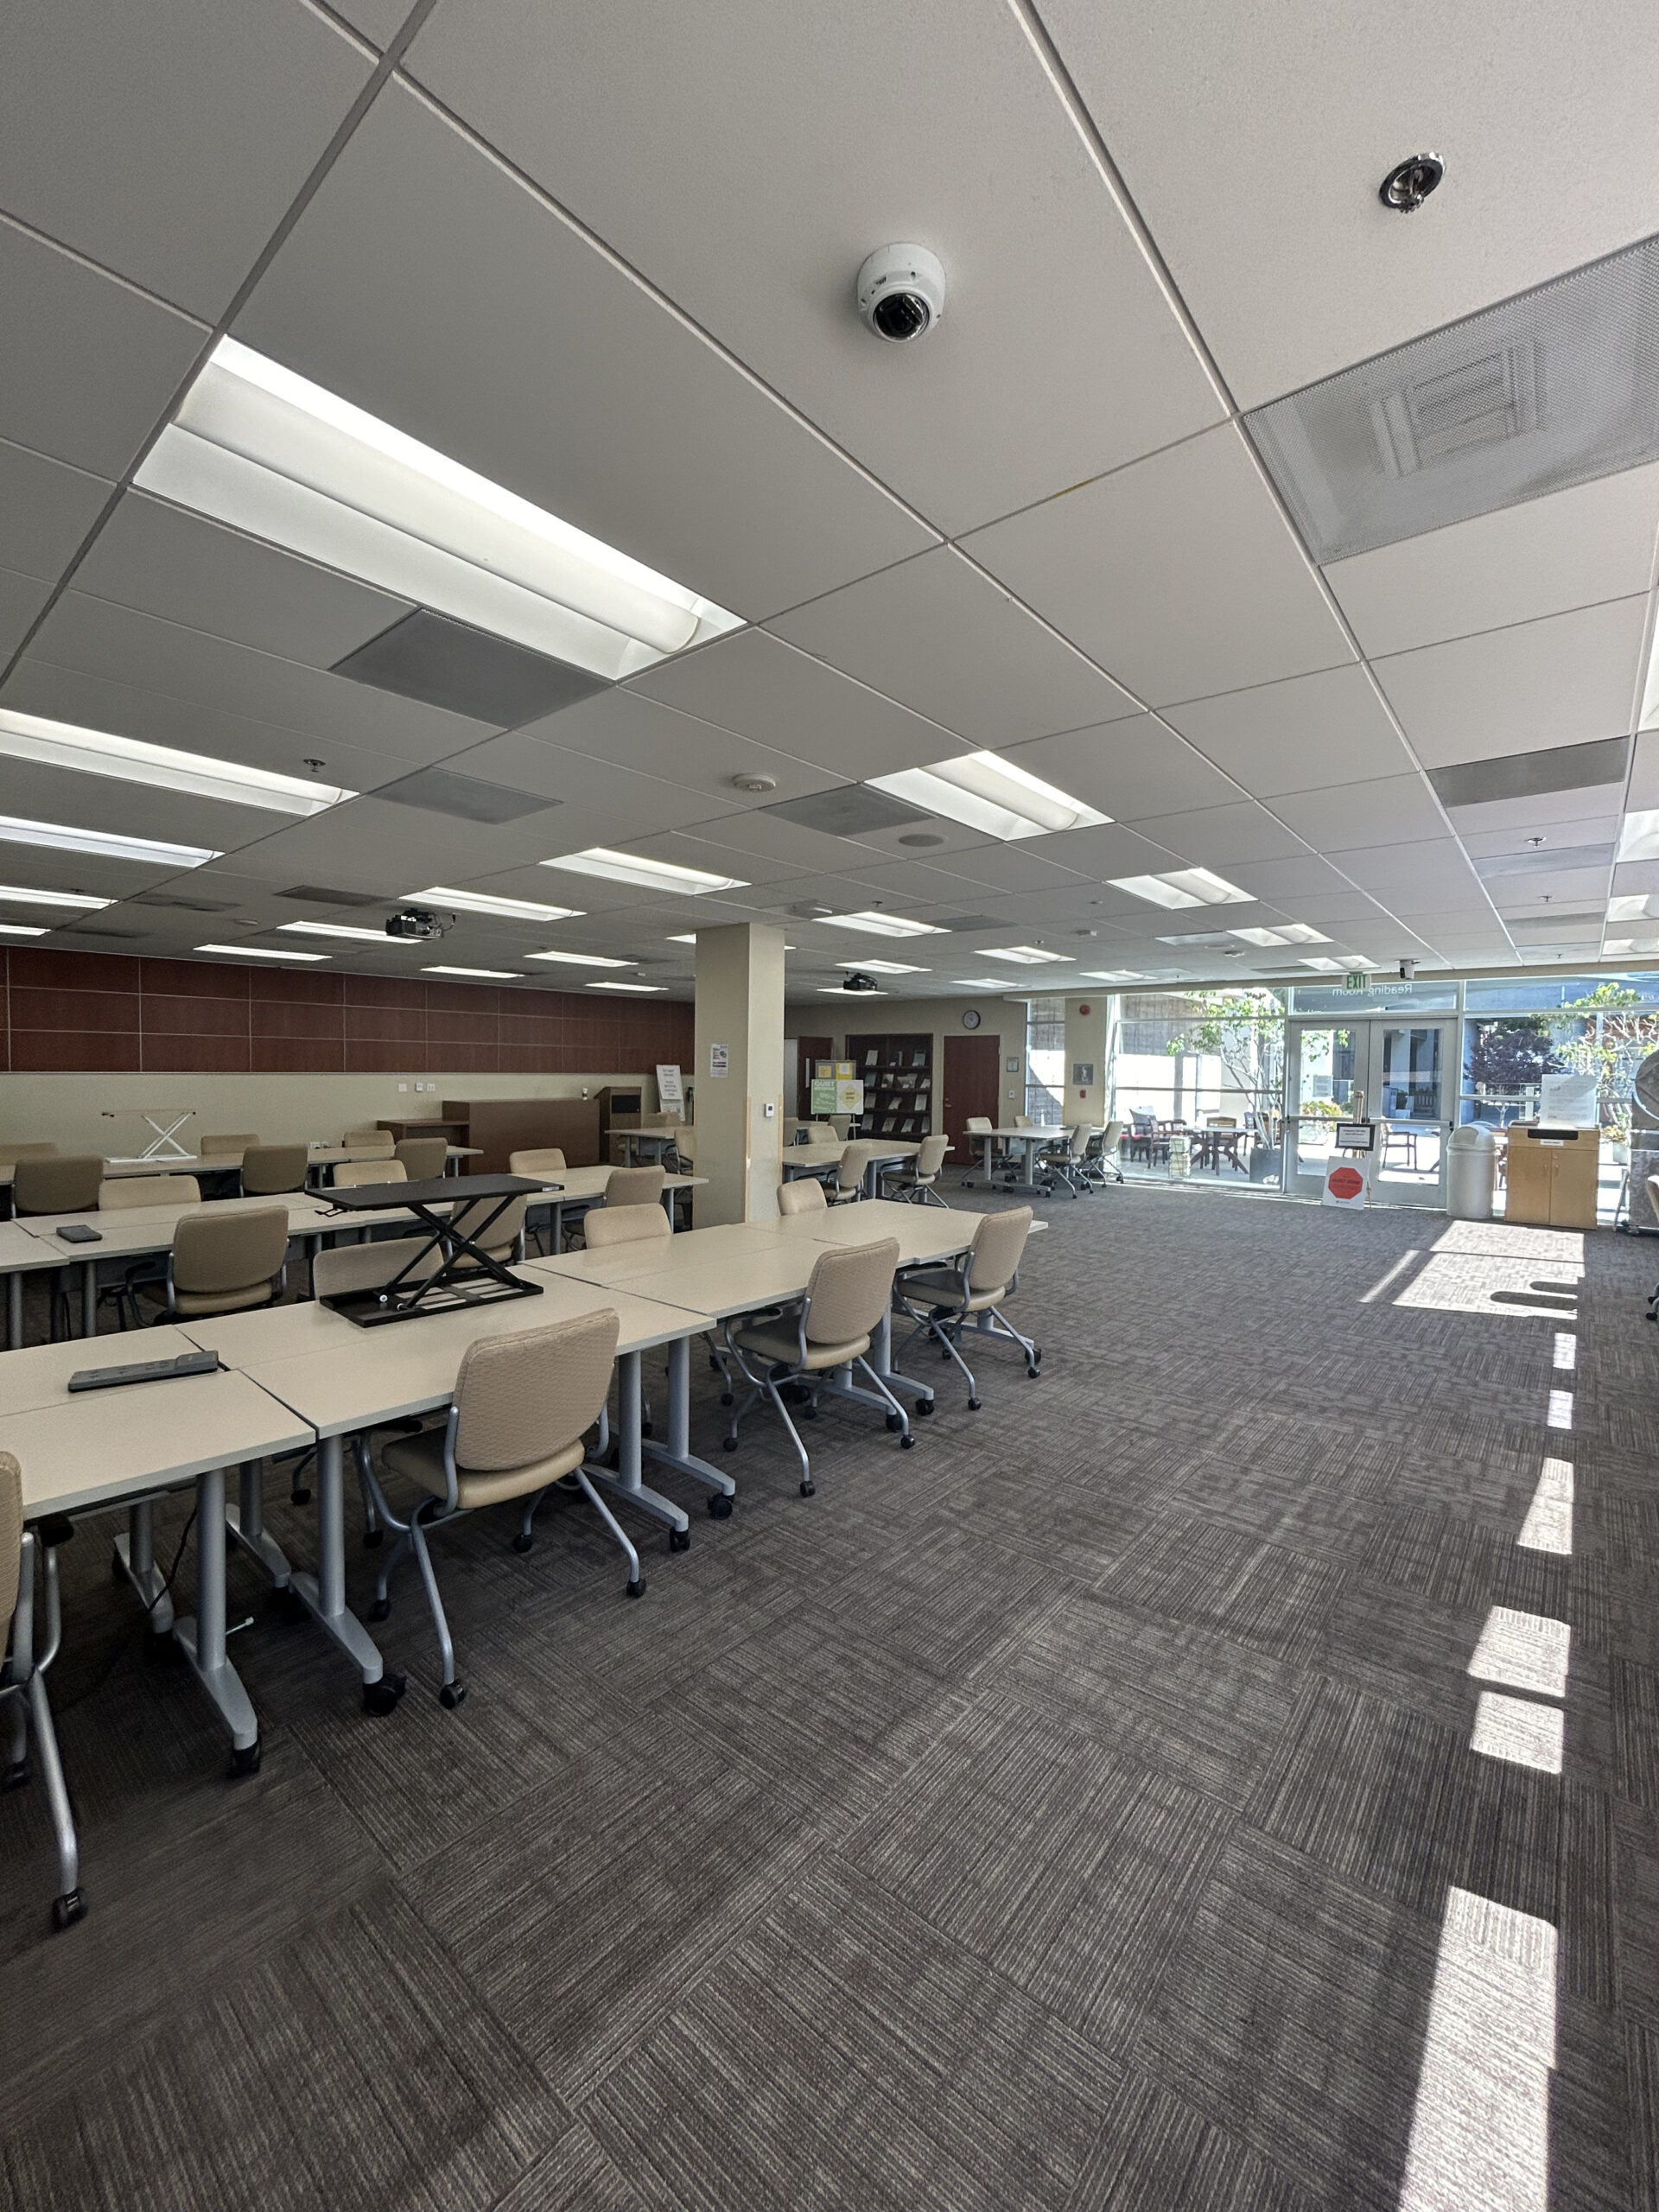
{"points": [[22, 1688], [831, 1382], [944, 1324]]}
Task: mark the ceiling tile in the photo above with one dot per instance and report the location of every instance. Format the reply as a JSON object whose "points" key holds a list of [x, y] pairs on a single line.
{"points": [[21, 599], [1395, 808], [639, 733], [1571, 548], [1567, 817], [1307, 733], [1556, 836], [756, 684], [86, 366], [1426, 868], [1290, 285], [1111, 849], [46, 510], [1179, 574], [379, 20], [962, 145], [523, 351], [1242, 831], [941, 637], [1644, 772], [1565, 680], [1129, 769]]}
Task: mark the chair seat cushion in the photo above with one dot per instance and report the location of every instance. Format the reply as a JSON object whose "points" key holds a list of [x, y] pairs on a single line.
{"points": [[781, 1347], [203, 1303], [942, 1287], [421, 1457]]}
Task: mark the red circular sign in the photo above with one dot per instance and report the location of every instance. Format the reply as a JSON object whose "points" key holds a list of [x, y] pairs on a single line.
{"points": [[1346, 1182]]}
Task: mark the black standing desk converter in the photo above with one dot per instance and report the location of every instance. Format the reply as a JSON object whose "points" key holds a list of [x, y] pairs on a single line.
{"points": [[449, 1272]]}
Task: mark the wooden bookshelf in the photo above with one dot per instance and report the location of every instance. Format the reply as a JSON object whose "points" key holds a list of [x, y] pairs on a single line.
{"points": [[896, 1069]]}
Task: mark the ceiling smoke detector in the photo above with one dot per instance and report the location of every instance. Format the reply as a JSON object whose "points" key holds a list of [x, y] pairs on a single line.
{"points": [[754, 784], [1405, 188]]}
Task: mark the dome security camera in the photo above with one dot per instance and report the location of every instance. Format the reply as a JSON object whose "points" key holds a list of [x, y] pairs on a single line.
{"points": [[901, 292]]}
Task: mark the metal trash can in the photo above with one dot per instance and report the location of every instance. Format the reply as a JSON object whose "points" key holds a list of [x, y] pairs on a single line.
{"points": [[1472, 1173]]}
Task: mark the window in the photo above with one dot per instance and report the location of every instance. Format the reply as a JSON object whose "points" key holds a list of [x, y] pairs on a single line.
{"points": [[1045, 1062]]}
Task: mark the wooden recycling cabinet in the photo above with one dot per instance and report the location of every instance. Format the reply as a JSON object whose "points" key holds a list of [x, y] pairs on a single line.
{"points": [[1553, 1173]]}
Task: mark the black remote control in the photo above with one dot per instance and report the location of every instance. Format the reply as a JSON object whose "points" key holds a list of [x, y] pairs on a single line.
{"points": [[146, 1370]]}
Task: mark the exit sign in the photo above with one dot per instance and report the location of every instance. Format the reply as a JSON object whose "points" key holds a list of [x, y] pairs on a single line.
{"points": [[1357, 980]]}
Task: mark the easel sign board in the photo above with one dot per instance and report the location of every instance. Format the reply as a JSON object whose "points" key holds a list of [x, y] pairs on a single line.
{"points": [[1355, 1136], [671, 1092], [1348, 1181]]}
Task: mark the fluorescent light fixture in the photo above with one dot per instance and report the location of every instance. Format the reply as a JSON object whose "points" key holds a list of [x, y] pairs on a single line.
{"points": [[260, 952], [148, 852], [478, 975], [627, 987], [20, 929], [984, 791], [1638, 835], [1261, 937], [687, 937], [1111, 975], [1649, 719], [96, 752], [336, 928], [582, 959], [1302, 933], [644, 874], [271, 453], [884, 967], [978, 983], [875, 924], [17, 894], [485, 902], [1618, 947], [1623, 907], [1182, 886], [841, 991], [1318, 960], [1024, 956]]}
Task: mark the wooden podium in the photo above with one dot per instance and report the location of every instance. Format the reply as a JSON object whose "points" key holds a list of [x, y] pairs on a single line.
{"points": [[1553, 1174]]}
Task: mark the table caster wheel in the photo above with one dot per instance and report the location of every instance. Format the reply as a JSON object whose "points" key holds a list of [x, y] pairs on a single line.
{"points": [[373, 1538], [924, 1407], [382, 1697], [246, 1760], [679, 1540], [906, 1443], [808, 1490], [895, 1422], [68, 1908], [720, 1507], [637, 1587], [523, 1542], [973, 1405], [452, 1694]]}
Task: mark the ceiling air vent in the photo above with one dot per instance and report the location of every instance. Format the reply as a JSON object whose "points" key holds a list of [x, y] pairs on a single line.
{"points": [[1477, 403], [184, 905], [439, 790], [1532, 775], [317, 895], [444, 663], [849, 810]]}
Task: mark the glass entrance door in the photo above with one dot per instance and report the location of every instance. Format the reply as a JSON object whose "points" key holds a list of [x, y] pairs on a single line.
{"points": [[1397, 1072]]}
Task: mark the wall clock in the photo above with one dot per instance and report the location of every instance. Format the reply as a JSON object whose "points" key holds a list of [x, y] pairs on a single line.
{"points": [[970, 1018]]}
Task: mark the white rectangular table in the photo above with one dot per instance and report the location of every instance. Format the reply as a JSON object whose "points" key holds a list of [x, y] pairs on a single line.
{"points": [[1032, 1141], [578, 1188], [824, 1158]]}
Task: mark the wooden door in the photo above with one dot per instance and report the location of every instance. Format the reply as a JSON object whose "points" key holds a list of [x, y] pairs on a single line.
{"points": [[808, 1049], [972, 1074]]}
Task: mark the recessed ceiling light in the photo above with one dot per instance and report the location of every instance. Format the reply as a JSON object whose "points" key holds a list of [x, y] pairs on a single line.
{"points": [[1318, 960], [986, 792], [485, 902], [147, 852], [478, 975], [841, 991], [687, 937], [1261, 936], [97, 753], [884, 967], [1024, 956], [1182, 886], [1110, 975], [271, 453], [17, 895], [582, 959], [626, 986], [260, 952], [877, 924], [1302, 933], [335, 929], [20, 929], [644, 874], [1631, 906], [1638, 836], [978, 983]]}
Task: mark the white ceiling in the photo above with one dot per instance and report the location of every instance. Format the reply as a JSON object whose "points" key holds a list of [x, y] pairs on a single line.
{"points": [[606, 256]]}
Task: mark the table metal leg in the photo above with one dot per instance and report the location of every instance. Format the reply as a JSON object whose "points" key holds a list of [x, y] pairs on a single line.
{"points": [[202, 1639], [246, 1523], [323, 1594], [14, 1310], [135, 1556], [622, 1485], [558, 1231], [896, 1381], [89, 1299], [677, 1451]]}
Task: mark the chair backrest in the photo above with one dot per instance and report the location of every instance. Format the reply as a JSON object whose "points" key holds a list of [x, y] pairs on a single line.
{"points": [[125, 1191], [1079, 1140], [930, 1157], [504, 1232], [270, 1168], [522, 1398], [236, 1142], [634, 1186], [609, 1224], [422, 1157], [16, 1151], [365, 1266], [352, 1174], [999, 1243], [549, 1161], [803, 1195], [369, 1139], [1111, 1137], [978, 1125], [849, 1291], [222, 1250], [849, 1169], [11, 1539], [1024, 1121], [815, 1133], [57, 1183]]}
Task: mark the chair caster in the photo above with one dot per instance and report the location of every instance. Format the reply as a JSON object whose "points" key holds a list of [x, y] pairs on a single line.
{"points": [[726, 1399], [679, 1540], [68, 1908], [1033, 1374], [637, 1587], [973, 1405], [809, 1413], [380, 1610], [384, 1695], [16, 1775], [906, 1443], [720, 1506], [246, 1760], [808, 1490], [373, 1538], [895, 1422], [728, 1443], [451, 1695], [302, 1496], [924, 1407], [523, 1542]]}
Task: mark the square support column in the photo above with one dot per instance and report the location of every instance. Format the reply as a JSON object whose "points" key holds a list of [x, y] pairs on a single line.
{"points": [[739, 1072], [1085, 1047]]}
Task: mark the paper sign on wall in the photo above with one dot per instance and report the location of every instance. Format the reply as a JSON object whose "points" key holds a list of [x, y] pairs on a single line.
{"points": [[720, 1059], [1570, 1100], [671, 1094]]}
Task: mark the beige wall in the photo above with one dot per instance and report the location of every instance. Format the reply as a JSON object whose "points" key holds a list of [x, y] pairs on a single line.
{"points": [[941, 1018], [69, 1109], [740, 1113]]}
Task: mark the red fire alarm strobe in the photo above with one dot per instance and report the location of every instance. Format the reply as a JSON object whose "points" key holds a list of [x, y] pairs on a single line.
{"points": [[1083, 1008]]}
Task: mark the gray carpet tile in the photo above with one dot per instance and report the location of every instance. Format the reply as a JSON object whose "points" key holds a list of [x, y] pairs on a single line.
{"points": [[1070, 1812]]}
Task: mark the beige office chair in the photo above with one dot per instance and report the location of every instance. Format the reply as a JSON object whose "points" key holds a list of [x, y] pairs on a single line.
{"points": [[1024, 1121], [522, 1405], [358, 1174], [269, 1170], [423, 1158], [978, 1126], [815, 1133], [850, 1168], [830, 1329], [57, 1183], [365, 1267], [1101, 1165], [548, 1159], [504, 1239], [236, 1142], [375, 1140], [943, 1301], [803, 1195], [636, 1224], [226, 1261], [635, 1186], [1060, 1164], [917, 1182], [124, 1194], [22, 1674]]}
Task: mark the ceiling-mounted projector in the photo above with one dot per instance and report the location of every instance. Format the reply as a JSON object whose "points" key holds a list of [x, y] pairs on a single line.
{"points": [[417, 924], [858, 981]]}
